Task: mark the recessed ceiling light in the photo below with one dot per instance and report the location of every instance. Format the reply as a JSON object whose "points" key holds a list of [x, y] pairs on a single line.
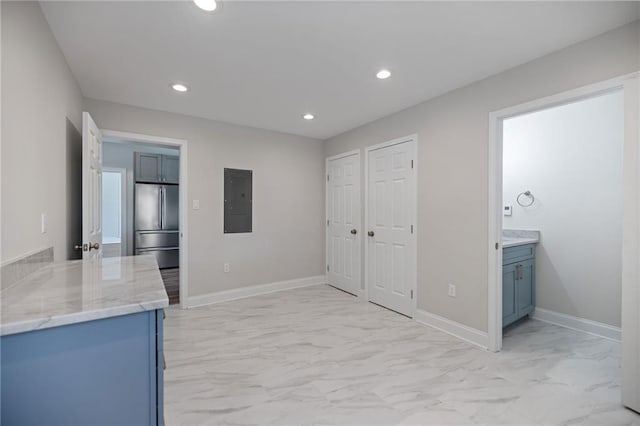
{"points": [[179, 87], [382, 74], [208, 5], [308, 116]]}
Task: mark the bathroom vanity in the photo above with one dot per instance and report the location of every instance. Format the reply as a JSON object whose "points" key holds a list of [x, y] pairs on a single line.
{"points": [[518, 274]]}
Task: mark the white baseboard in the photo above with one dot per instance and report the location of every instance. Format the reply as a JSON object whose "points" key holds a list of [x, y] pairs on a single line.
{"points": [[579, 324], [461, 331], [254, 290]]}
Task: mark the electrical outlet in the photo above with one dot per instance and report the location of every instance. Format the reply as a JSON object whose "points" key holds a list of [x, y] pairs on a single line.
{"points": [[43, 223], [452, 290], [227, 267], [196, 204]]}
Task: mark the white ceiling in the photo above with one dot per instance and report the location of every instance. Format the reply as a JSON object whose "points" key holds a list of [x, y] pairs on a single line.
{"points": [[264, 64]]}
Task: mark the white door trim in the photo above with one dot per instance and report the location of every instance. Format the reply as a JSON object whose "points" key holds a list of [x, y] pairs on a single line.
{"points": [[631, 221], [414, 213], [343, 155], [181, 144], [326, 210]]}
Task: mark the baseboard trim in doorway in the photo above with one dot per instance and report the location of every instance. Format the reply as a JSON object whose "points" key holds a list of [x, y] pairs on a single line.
{"points": [[461, 331], [254, 290], [578, 324]]}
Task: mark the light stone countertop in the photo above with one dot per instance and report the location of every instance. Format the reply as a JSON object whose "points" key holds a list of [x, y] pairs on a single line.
{"points": [[519, 237], [79, 291]]}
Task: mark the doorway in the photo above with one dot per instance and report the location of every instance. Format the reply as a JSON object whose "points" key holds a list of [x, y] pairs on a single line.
{"points": [[343, 222], [568, 159], [114, 211], [167, 242], [390, 222], [498, 206]]}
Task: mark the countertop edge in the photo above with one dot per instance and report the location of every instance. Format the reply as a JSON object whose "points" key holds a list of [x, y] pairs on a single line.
{"points": [[520, 242], [80, 317]]}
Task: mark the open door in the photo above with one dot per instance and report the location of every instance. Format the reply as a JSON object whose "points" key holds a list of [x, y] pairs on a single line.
{"points": [[91, 189]]}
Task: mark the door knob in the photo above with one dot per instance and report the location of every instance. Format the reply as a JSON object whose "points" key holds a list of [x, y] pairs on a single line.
{"points": [[354, 231], [94, 246], [83, 247], [371, 233]]}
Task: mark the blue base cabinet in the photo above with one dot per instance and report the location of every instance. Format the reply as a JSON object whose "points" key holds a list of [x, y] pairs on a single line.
{"points": [[518, 283], [101, 372]]}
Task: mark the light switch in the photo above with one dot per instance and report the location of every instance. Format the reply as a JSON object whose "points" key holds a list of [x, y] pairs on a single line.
{"points": [[508, 210], [196, 204], [43, 223]]}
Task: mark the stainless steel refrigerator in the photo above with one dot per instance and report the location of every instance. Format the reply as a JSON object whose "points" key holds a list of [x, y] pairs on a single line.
{"points": [[156, 223]]}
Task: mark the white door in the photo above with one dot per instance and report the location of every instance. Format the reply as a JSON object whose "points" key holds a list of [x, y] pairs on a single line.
{"points": [[391, 238], [343, 223], [91, 188]]}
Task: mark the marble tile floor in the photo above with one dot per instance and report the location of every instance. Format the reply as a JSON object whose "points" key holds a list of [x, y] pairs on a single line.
{"points": [[316, 355]]}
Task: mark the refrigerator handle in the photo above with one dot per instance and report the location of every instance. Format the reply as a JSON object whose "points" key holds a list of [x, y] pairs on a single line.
{"points": [[164, 206], [160, 208]]}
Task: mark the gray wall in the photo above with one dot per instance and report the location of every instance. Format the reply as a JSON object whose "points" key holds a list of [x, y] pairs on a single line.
{"points": [[452, 156], [121, 155], [41, 142], [570, 157], [41, 158], [288, 173]]}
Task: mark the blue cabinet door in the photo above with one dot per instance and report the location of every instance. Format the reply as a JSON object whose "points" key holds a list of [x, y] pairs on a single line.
{"points": [[101, 372], [160, 364], [509, 295], [518, 282], [526, 291]]}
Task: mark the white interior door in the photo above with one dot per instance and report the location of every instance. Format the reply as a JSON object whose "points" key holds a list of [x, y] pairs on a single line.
{"points": [[343, 223], [91, 188], [391, 238]]}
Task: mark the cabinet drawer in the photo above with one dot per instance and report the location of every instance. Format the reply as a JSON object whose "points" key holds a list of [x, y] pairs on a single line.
{"points": [[518, 253], [152, 239]]}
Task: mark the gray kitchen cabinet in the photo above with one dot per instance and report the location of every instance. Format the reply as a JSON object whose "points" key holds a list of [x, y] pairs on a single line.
{"points": [[518, 283], [148, 167], [157, 168], [170, 169]]}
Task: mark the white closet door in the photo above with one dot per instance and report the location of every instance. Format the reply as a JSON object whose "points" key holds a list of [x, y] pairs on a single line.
{"points": [[391, 248], [343, 223]]}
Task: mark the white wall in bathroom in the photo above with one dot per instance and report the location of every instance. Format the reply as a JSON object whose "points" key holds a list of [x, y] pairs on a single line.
{"points": [[570, 157]]}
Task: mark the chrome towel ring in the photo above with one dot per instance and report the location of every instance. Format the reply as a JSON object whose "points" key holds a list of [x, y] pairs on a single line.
{"points": [[530, 197]]}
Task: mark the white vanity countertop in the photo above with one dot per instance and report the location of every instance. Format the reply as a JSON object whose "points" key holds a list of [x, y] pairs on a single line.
{"points": [[79, 291], [519, 237]]}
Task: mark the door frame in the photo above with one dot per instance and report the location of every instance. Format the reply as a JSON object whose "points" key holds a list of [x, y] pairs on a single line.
{"points": [[181, 144], [326, 211], [124, 241], [413, 211], [628, 83]]}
